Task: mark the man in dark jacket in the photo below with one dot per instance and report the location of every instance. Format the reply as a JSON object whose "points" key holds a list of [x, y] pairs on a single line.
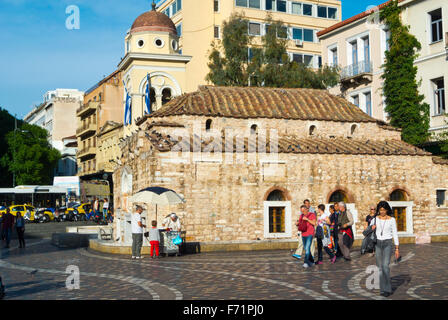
{"points": [[8, 223]]}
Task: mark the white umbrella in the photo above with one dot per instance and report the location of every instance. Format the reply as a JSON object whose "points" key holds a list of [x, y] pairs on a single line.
{"points": [[158, 196]]}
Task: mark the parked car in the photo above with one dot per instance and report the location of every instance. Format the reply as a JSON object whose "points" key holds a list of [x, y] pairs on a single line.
{"points": [[23, 209]]}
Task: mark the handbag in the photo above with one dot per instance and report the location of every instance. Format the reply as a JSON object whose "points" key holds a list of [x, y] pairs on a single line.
{"points": [[178, 240]]}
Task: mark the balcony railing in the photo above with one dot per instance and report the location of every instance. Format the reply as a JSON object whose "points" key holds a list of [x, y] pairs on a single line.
{"points": [[86, 108], [86, 151], [356, 69], [86, 128]]}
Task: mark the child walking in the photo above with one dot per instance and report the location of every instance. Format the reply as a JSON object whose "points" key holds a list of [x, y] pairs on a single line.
{"points": [[154, 239]]}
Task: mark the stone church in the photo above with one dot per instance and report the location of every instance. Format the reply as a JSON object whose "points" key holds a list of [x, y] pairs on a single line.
{"points": [[244, 159]]}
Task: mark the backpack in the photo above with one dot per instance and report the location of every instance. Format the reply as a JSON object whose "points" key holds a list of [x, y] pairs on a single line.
{"points": [[319, 232]]}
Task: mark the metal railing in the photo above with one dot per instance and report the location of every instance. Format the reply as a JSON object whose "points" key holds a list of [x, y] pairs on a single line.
{"points": [[87, 127], [356, 69]]}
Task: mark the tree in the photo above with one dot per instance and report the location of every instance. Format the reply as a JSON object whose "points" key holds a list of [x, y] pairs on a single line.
{"points": [[30, 155], [403, 101], [269, 64], [6, 124]]}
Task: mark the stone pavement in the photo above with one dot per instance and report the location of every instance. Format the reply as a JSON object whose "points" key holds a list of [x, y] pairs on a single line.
{"points": [[38, 272]]}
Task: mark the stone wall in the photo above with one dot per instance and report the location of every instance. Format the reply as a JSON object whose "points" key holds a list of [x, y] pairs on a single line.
{"points": [[300, 128], [224, 202]]}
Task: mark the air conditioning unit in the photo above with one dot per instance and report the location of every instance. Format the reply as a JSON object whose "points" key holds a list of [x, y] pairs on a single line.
{"points": [[299, 43]]}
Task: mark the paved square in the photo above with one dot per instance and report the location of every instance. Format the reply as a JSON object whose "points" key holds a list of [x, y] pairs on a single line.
{"points": [[38, 272]]}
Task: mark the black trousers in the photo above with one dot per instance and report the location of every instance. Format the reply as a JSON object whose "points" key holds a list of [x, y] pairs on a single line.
{"points": [[21, 236], [320, 246]]}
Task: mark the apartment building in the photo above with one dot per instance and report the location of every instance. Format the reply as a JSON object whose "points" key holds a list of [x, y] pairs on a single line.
{"points": [[199, 23], [57, 114], [358, 46], [102, 103]]}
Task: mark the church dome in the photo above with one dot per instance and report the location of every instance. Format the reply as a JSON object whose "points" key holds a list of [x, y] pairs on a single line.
{"points": [[153, 21]]}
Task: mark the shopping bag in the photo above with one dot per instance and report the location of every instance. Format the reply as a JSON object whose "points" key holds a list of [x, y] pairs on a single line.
{"points": [[177, 241]]}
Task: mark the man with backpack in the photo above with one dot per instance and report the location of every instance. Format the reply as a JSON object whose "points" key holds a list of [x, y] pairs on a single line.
{"points": [[307, 223], [298, 253]]}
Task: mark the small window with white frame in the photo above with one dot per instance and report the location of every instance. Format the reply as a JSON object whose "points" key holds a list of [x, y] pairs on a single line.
{"points": [[255, 4], [216, 5], [439, 96], [254, 29], [436, 29], [441, 197]]}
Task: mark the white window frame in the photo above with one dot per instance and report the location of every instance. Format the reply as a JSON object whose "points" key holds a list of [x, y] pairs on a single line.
{"points": [[219, 32], [430, 23], [330, 54], [445, 203], [409, 222], [219, 5], [255, 35], [433, 90], [288, 219]]}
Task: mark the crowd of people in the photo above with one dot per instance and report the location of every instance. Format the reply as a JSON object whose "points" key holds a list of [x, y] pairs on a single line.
{"points": [[333, 233]]}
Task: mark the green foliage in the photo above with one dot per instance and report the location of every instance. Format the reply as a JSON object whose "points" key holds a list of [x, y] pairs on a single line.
{"points": [[269, 66], [403, 101], [30, 155], [6, 125]]}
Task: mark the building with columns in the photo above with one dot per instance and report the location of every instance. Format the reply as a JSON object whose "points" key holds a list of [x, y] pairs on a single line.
{"points": [[152, 47]]}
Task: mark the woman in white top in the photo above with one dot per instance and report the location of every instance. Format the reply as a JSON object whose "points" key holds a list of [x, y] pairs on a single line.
{"points": [[387, 236]]}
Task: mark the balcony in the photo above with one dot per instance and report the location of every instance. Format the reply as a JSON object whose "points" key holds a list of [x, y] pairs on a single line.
{"points": [[87, 108], [357, 73], [86, 152], [89, 127]]}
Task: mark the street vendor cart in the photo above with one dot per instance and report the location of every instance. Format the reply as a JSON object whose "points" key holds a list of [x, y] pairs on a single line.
{"points": [[167, 247]]}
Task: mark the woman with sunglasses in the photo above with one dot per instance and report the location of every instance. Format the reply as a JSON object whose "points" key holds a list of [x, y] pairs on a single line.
{"points": [[370, 216]]}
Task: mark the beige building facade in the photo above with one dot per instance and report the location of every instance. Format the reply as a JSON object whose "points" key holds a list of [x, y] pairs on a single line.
{"points": [[57, 114], [245, 167], [200, 23], [102, 103], [358, 46]]}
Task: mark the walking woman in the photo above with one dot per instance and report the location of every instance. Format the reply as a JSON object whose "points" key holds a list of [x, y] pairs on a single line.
{"points": [[386, 230], [20, 228]]}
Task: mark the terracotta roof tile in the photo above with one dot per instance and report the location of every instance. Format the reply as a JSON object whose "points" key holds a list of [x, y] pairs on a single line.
{"points": [[262, 102], [297, 145]]}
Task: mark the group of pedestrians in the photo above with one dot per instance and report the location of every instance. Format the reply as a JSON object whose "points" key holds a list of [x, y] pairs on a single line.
{"points": [[100, 209], [333, 233], [8, 222]]}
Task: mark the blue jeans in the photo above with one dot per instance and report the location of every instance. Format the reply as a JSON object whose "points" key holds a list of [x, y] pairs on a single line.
{"points": [[307, 245]]}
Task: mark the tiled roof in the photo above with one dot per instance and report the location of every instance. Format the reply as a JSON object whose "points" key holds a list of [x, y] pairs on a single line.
{"points": [[439, 160], [357, 17], [291, 144], [153, 21], [263, 102]]}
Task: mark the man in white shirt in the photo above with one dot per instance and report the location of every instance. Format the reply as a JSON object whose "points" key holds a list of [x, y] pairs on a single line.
{"points": [[172, 222], [137, 233]]}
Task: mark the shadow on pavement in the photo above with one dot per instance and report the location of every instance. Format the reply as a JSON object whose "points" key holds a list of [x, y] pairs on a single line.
{"points": [[399, 280]]}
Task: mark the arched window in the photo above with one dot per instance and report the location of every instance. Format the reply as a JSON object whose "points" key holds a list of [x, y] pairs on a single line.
{"points": [[166, 95], [253, 129], [398, 195], [338, 196], [276, 195], [208, 124], [353, 129], [152, 96], [312, 130]]}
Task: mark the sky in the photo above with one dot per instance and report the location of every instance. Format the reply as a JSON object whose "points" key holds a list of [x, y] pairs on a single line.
{"points": [[39, 53]]}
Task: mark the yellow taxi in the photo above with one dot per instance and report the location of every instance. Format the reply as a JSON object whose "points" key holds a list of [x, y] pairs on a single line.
{"points": [[80, 211], [22, 208]]}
